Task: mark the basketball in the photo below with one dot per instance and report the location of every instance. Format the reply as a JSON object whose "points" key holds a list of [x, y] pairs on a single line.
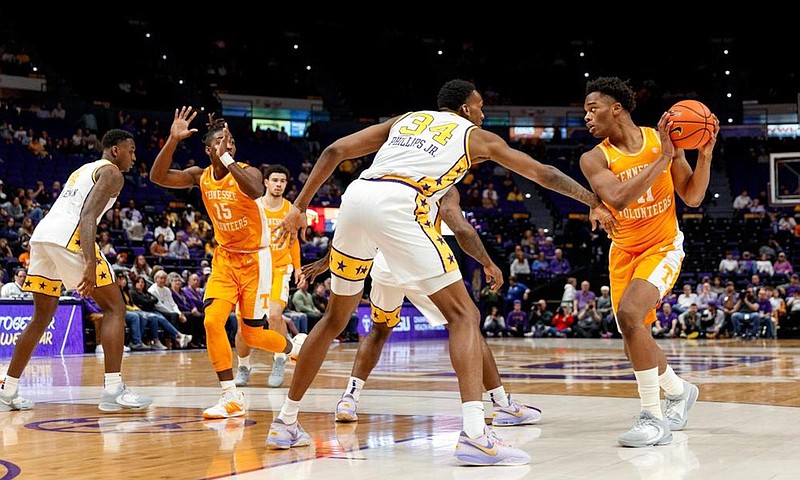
{"points": [[692, 124]]}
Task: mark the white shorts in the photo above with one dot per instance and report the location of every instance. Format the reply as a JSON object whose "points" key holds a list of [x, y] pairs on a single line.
{"points": [[53, 265], [394, 218], [386, 297]]}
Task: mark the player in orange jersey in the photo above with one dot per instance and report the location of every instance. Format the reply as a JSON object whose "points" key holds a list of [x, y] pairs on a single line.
{"points": [[242, 267], [636, 172], [285, 262]]}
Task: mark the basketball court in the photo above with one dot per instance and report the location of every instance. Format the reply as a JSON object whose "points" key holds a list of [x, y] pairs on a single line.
{"points": [[744, 425]]}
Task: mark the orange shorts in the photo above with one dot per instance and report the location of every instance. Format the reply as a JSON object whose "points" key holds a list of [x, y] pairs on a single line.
{"points": [[659, 265], [243, 279]]}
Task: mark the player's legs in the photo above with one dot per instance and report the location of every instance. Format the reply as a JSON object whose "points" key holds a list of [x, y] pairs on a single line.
{"points": [[640, 282], [109, 299], [44, 308]]}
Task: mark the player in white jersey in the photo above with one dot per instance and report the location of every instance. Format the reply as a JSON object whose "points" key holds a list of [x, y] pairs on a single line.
{"points": [[64, 252], [420, 155], [386, 298]]}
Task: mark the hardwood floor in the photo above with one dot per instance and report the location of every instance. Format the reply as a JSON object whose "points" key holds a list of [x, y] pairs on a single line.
{"points": [[409, 416]]}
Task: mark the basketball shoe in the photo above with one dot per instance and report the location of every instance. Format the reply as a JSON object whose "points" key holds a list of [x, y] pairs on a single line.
{"points": [[647, 432], [282, 436], [488, 450], [14, 402], [123, 399], [346, 409], [297, 344], [230, 404], [275, 379], [676, 409], [515, 413], [242, 377]]}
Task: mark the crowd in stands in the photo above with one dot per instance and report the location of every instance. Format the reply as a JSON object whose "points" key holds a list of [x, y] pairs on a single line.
{"points": [[151, 230]]}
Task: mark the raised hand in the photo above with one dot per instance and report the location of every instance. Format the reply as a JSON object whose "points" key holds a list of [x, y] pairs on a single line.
{"points": [[180, 124]]}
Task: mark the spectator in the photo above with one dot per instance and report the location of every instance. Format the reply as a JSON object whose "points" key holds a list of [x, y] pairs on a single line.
{"points": [[746, 311], [515, 291], [561, 323], [712, 321], [608, 324], [134, 229], [517, 321], [164, 229], [178, 248], [689, 322], [764, 266], [747, 266], [685, 299], [587, 323], [568, 297], [705, 297], [489, 197], [14, 289], [540, 318], [520, 264], [782, 268], [159, 247], [194, 313], [540, 267], [559, 265], [166, 304], [742, 202], [142, 269], [666, 324], [304, 303], [583, 298], [495, 324]]}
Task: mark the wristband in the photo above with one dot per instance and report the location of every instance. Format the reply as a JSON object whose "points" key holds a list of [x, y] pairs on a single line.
{"points": [[226, 159]]}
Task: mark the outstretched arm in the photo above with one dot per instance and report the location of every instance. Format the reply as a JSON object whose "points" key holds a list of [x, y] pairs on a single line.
{"points": [[355, 145], [160, 173], [485, 145]]}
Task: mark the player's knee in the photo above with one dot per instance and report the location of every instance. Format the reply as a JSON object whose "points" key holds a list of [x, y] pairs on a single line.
{"points": [[629, 318], [250, 334], [213, 324]]}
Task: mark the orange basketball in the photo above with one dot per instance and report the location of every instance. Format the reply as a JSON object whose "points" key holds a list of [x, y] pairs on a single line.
{"points": [[692, 124]]}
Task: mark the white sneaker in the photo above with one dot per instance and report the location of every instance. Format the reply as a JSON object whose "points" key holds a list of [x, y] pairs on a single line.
{"points": [[297, 344], [230, 404], [647, 431], [676, 409], [184, 339], [157, 345], [15, 402], [124, 399]]}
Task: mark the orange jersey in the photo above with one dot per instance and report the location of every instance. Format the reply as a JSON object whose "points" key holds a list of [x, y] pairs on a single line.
{"points": [[651, 219], [239, 221], [282, 254]]}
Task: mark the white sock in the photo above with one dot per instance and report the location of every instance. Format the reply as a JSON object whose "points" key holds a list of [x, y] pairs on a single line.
{"points": [[354, 386], [649, 391], [279, 355], [289, 411], [244, 361], [498, 395], [227, 386], [671, 382], [9, 386], [112, 382], [474, 423]]}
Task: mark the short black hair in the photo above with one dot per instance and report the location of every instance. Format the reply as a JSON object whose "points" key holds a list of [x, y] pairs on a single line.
{"points": [[453, 94], [114, 137], [615, 88], [276, 169], [214, 125]]}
